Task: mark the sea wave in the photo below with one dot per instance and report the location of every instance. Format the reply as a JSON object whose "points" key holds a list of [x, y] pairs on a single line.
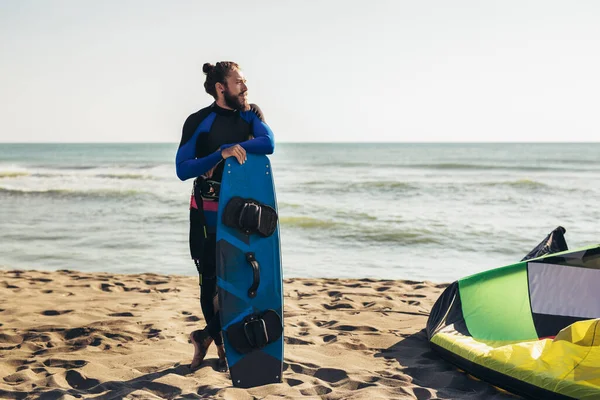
{"points": [[355, 164], [68, 167], [384, 185], [100, 166], [67, 193], [289, 205], [309, 222], [119, 176], [520, 183], [550, 166], [387, 236], [127, 176], [387, 186], [13, 174], [362, 233], [487, 167]]}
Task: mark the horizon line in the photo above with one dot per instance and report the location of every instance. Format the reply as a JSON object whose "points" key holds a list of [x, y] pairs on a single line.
{"points": [[373, 142]]}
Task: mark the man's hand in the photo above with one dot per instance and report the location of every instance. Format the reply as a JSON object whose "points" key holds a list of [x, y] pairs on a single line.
{"points": [[236, 151], [210, 172]]}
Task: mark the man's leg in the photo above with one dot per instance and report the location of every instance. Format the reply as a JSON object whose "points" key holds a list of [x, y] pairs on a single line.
{"points": [[209, 302]]}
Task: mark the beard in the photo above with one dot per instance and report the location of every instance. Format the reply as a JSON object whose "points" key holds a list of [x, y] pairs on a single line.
{"points": [[237, 102]]}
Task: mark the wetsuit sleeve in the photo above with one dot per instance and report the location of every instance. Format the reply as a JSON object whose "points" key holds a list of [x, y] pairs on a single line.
{"points": [[263, 142], [186, 163]]}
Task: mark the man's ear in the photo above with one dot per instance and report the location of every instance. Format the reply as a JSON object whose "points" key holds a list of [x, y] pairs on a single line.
{"points": [[220, 87]]}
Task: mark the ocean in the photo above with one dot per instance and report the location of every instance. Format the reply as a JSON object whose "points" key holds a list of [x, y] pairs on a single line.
{"points": [[434, 212]]}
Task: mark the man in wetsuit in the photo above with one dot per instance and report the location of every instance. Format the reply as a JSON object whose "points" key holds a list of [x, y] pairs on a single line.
{"points": [[229, 127]]}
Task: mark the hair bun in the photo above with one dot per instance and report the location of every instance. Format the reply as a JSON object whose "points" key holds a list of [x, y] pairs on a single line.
{"points": [[207, 67]]}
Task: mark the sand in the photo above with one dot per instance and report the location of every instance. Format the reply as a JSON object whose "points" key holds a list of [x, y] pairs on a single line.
{"points": [[69, 334]]}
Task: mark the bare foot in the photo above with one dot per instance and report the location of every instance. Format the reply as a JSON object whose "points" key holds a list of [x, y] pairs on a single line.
{"points": [[222, 363], [201, 341]]}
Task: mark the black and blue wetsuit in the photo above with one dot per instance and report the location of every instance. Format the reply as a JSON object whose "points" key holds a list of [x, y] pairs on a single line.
{"points": [[212, 129], [205, 134]]}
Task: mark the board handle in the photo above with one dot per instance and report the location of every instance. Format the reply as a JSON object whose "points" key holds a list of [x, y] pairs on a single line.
{"points": [[256, 274]]}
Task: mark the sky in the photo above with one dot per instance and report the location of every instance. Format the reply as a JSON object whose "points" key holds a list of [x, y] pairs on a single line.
{"points": [[321, 71]]}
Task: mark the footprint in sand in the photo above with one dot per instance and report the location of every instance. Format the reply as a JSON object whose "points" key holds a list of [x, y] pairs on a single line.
{"points": [[36, 337], [77, 380], [150, 282], [294, 382], [331, 375], [106, 287], [66, 364], [354, 346], [368, 280], [337, 306], [206, 392], [50, 313], [21, 376], [355, 285], [152, 332], [328, 338], [136, 289], [318, 390], [78, 332], [360, 328], [161, 390], [307, 369], [121, 314], [324, 324], [118, 336], [293, 340], [43, 280], [304, 332], [81, 277]]}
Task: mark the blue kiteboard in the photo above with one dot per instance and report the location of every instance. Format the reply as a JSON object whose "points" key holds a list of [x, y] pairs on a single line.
{"points": [[249, 275]]}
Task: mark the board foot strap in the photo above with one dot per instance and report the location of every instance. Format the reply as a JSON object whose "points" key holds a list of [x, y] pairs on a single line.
{"points": [[255, 331], [250, 216]]}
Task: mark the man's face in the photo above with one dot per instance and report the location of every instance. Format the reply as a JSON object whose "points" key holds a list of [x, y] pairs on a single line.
{"points": [[236, 91]]}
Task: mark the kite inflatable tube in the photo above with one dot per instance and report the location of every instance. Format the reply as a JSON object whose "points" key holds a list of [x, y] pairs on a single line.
{"points": [[532, 328]]}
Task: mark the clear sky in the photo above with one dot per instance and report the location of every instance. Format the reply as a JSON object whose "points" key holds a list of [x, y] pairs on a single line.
{"points": [[446, 70]]}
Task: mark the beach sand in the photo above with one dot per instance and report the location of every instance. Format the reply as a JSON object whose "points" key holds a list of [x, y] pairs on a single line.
{"points": [[69, 334]]}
